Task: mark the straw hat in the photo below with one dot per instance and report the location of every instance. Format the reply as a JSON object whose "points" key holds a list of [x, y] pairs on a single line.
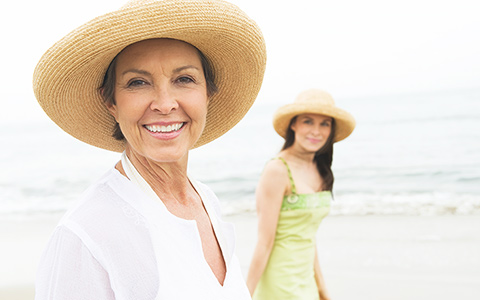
{"points": [[67, 77], [314, 102]]}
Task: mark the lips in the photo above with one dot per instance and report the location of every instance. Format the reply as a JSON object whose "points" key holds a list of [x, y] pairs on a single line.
{"points": [[314, 141]]}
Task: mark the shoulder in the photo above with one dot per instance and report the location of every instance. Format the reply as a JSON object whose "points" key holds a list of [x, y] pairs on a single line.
{"points": [[104, 219], [274, 178], [100, 195], [275, 174], [105, 207], [275, 167]]}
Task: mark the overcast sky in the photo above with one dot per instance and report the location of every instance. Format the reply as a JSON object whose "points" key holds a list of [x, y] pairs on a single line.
{"points": [[350, 48]]}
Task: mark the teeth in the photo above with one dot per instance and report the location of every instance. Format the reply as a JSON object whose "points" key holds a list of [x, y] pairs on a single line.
{"points": [[164, 129]]}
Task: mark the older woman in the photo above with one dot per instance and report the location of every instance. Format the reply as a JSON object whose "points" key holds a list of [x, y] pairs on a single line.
{"points": [[153, 80], [293, 196]]}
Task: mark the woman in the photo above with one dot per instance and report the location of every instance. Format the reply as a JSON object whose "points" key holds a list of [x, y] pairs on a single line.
{"points": [[293, 196], [152, 80]]}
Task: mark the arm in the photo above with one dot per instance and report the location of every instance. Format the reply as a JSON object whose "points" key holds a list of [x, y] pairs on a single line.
{"points": [[67, 270], [322, 289], [272, 187]]}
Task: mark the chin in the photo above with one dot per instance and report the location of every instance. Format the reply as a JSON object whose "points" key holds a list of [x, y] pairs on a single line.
{"points": [[169, 155], [312, 149], [161, 154]]}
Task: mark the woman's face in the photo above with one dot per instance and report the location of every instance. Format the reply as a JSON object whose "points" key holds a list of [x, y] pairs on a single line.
{"points": [[161, 98], [312, 131]]}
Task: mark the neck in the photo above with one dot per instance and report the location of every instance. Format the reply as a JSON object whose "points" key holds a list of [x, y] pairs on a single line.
{"points": [[169, 180], [298, 155]]}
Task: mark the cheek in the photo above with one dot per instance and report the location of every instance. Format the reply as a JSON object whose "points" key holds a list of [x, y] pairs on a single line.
{"points": [[327, 131], [199, 108], [300, 129], [201, 117], [129, 107]]}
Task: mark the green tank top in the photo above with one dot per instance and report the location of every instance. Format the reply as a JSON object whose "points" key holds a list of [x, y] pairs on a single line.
{"points": [[303, 201], [289, 273]]}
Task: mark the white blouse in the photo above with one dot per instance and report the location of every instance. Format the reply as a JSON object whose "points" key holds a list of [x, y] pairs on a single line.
{"points": [[119, 243]]}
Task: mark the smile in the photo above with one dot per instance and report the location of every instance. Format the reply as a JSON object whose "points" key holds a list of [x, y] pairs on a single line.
{"points": [[314, 141], [164, 129]]}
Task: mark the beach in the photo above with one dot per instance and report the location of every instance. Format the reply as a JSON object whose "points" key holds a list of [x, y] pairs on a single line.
{"points": [[362, 257], [405, 223]]}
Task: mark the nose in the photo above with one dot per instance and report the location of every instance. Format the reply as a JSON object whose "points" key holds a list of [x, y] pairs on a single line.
{"points": [[163, 101], [317, 130]]}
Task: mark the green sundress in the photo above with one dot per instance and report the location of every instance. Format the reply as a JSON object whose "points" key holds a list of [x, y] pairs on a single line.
{"points": [[289, 273]]}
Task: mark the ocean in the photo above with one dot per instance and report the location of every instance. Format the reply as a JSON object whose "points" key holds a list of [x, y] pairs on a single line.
{"points": [[410, 154]]}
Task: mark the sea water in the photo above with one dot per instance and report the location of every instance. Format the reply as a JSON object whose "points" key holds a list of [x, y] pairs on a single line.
{"points": [[410, 154]]}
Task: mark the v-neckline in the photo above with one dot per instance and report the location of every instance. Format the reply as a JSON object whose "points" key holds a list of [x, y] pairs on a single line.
{"points": [[135, 177]]}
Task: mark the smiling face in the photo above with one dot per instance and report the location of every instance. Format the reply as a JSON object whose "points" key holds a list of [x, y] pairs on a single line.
{"points": [[160, 98], [311, 131]]}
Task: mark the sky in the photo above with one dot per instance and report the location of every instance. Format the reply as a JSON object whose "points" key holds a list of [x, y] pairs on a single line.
{"points": [[350, 48]]}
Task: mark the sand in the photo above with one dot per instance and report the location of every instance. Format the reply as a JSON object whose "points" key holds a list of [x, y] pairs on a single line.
{"points": [[362, 257], [392, 257]]}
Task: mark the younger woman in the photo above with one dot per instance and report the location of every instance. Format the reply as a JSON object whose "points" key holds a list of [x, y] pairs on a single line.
{"points": [[293, 196]]}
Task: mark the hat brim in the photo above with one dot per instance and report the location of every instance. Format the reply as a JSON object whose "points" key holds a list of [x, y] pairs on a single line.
{"points": [[68, 76], [344, 121]]}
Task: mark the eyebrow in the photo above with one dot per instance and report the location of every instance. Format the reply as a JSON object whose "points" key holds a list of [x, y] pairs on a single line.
{"points": [[305, 117], [327, 119], [138, 71], [143, 72], [180, 69]]}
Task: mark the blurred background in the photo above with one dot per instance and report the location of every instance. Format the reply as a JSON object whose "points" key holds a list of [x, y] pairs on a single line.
{"points": [[408, 71]]}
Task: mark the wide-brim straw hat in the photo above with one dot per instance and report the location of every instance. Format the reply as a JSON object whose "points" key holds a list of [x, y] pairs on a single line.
{"points": [[67, 78], [314, 101]]}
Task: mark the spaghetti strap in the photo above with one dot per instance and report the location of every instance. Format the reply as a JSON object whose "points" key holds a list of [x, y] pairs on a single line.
{"points": [[294, 189]]}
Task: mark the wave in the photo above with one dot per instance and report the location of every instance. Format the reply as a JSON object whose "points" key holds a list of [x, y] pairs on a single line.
{"points": [[242, 200], [418, 204], [359, 204]]}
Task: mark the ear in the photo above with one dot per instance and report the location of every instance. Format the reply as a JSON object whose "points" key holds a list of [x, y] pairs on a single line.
{"points": [[112, 108], [293, 127]]}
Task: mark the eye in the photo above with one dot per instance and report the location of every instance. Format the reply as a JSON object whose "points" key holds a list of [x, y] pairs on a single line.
{"points": [[307, 121], [326, 123], [185, 79], [136, 83]]}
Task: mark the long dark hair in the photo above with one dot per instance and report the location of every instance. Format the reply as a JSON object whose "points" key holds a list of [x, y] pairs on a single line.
{"points": [[323, 157]]}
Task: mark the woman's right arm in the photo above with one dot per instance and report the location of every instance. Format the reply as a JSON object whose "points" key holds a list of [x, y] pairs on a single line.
{"points": [[68, 270], [272, 187]]}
